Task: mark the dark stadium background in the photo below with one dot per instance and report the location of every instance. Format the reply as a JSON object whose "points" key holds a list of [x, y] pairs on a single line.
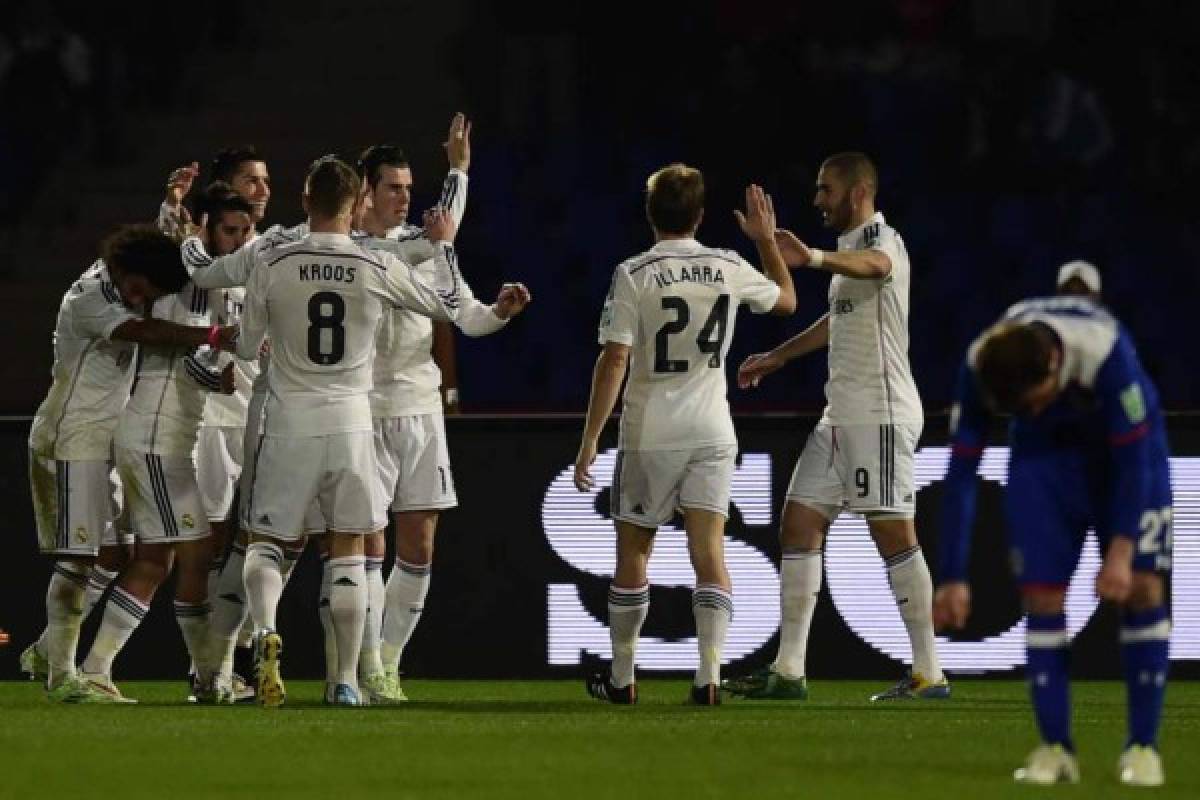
{"points": [[1011, 135]]}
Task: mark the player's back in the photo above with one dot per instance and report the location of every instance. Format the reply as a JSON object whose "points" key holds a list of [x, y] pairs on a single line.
{"points": [[675, 305], [91, 374], [323, 316]]}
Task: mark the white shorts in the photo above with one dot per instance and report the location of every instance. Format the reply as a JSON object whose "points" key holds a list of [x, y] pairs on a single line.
{"points": [[649, 485], [73, 505], [414, 463], [219, 453], [338, 470], [162, 497], [866, 469], [313, 523]]}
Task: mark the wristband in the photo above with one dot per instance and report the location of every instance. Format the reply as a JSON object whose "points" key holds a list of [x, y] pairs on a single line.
{"points": [[452, 397], [816, 258], [213, 333]]}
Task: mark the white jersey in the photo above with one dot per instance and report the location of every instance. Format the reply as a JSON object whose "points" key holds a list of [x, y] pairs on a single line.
{"points": [[406, 377], [870, 381], [91, 373], [675, 306], [164, 412], [328, 295], [229, 410]]}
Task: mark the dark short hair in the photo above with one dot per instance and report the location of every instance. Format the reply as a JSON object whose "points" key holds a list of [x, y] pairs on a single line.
{"points": [[217, 198], [1012, 359], [675, 198], [855, 167], [331, 185], [377, 156], [227, 162], [145, 250]]}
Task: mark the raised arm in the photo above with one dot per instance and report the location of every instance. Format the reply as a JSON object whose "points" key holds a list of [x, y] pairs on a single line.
{"points": [[218, 273], [758, 223], [440, 295], [458, 153]]}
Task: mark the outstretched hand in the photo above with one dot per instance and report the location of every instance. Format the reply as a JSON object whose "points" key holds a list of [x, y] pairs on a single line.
{"points": [[458, 143], [755, 368], [758, 223], [179, 183], [795, 252], [951, 606], [439, 225]]}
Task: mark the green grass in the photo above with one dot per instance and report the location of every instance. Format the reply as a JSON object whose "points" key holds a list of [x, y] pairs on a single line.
{"points": [[547, 739]]}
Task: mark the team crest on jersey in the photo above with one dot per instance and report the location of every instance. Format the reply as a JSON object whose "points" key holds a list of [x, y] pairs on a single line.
{"points": [[81, 534], [187, 521], [1133, 403]]}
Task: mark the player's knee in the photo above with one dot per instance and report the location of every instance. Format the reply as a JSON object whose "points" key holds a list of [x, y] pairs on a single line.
{"points": [[803, 528], [1148, 591], [1043, 599]]}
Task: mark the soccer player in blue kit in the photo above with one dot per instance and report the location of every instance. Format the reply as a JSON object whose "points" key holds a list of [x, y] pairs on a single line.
{"points": [[1089, 449]]}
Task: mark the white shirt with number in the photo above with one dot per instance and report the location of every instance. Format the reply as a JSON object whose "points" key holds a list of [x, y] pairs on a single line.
{"points": [[321, 300], [675, 306], [91, 373], [167, 404], [870, 381]]}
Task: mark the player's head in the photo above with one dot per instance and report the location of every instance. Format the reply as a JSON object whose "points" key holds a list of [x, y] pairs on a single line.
{"points": [[1017, 365], [675, 200], [1079, 278], [387, 182], [228, 218], [331, 191], [244, 169], [846, 187], [144, 263]]}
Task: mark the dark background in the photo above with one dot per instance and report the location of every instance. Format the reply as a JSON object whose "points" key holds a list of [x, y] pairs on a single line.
{"points": [[485, 616], [1011, 136]]}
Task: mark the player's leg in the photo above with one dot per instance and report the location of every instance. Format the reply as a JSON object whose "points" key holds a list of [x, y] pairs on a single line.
{"points": [[704, 499], [370, 668], [1046, 513], [1145, 632], [347, 610], [218, 465], [408, 585], [814, 499], [414, 467]]}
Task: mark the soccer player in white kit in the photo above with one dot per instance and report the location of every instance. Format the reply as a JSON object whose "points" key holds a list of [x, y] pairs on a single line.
{"points": [[72, 434], [860, 456], [669, 320], [410, 432], [321, 299]]}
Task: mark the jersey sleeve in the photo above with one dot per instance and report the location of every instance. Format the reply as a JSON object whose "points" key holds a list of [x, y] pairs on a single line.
{"points": [[969, 421], [97, 311], [1124, 392], [755, 289], [217, 273], [411, 250], [476, 318], [254, 315], [438, 296], [885, 239], [618, 320], [454, 195]]}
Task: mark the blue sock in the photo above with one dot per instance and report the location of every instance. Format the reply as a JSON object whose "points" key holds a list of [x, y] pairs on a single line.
{"points": [[1144, 637], [1046, 657]]}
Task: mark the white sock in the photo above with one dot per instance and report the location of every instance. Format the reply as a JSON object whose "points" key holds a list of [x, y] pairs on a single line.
{"points": [[713, 607], [406, 589], [368, 660], [98, 580], [913, 589], [326, 616], [229, 610], [627, 610], [348, 610], [798, 588], [64, 616], [193, 619], [122, 614], [264, 583]]}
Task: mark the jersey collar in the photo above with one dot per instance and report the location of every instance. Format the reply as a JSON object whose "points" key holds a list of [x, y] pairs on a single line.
{"points": [[676, 245]]}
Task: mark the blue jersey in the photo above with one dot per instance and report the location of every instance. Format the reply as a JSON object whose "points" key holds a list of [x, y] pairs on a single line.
{"points": [[1103, 438]]}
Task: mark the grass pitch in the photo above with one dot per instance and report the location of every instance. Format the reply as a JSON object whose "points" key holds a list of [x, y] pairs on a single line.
{"points": [[548, 739]]}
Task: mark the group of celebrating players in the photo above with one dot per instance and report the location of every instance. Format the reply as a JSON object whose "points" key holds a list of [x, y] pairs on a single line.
{"points": [[295, 366]]}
